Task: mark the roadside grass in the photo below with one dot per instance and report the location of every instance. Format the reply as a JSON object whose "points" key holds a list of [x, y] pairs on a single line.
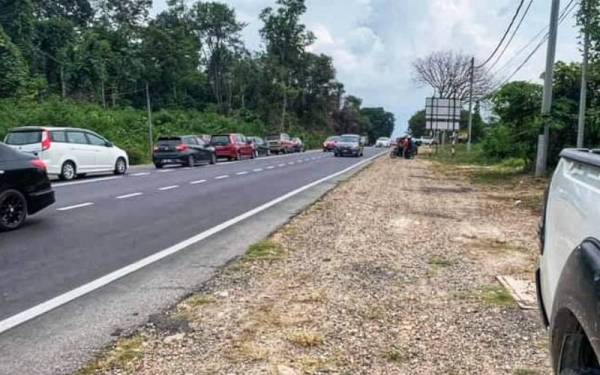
{"points": [[266, 250], [306, 339], [489, 295], [121, 358], [437, 262]]}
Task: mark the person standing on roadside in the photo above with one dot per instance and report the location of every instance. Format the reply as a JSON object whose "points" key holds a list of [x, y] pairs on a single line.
{"points": [[407, 147]]}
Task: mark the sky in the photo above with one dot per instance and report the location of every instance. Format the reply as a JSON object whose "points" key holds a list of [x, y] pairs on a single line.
{"points": [[374, 42]]}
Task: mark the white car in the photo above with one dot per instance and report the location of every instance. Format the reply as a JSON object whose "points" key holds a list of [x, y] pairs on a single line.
{"points": [[382, 142], [69, 152], [568, 279]]}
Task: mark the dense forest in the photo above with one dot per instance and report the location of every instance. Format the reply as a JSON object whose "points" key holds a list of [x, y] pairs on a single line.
{"points": [[98, 63]]}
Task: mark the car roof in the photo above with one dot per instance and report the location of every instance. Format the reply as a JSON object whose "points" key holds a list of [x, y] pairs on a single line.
{"points": [[29, 128], [350, 135]]}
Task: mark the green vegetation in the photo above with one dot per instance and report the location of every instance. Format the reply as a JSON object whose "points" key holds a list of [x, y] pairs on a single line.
{"points": [[264, 250], [88, 63], [495, 296], [122, 358]]}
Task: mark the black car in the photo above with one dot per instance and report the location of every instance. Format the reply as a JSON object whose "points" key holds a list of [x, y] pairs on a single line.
{"points": [[187, 150], [261, 148], [24, 187], [349, 144]]}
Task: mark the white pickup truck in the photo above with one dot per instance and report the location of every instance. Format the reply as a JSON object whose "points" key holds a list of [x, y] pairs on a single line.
{"points": [[568, 278]]}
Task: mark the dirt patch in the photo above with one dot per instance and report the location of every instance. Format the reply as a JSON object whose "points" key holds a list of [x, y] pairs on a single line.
{"points": [[399, 281]]}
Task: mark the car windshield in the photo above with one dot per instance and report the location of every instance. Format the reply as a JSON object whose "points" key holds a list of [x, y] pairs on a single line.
{"points": [[24, 137], [349, 138], [219, 140], [169, 142]]}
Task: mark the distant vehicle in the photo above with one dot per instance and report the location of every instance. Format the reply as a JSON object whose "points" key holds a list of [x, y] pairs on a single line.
{"points": [[69, 152], [205, 138], [349, 144], [24, 187], [382, 142], [425, 141], [260, 146], [329, 144], [186, 150], [280, 143], [298, 144], [567, 280], [232, 146]]}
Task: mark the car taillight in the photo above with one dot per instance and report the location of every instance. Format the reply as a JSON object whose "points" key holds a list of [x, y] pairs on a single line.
{"points": [[46, 142], [38, 164], [181, 148]]}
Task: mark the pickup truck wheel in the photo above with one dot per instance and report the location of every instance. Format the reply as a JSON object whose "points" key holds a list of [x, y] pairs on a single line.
{"points": [[68, 171], [13, 210]]}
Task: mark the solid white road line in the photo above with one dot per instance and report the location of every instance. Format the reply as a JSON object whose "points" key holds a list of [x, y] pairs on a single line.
{"points": [[140, 174], [85, 181], [130, 195], [168, 188], [221, 177], [69, 208], [241, 173], [69, 296], [197, 182]]}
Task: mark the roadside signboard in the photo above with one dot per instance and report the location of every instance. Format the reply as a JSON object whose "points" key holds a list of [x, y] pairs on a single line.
{"points": [[443, 114]]}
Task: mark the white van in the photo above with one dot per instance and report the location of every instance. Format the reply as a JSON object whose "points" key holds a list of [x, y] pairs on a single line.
{"points": [[69, 152]]}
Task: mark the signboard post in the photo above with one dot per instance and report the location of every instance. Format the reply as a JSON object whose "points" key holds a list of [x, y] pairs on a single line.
{"points": [[442, 115]]}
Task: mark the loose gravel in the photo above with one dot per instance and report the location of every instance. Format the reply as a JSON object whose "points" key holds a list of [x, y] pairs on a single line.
{"points": [[392, 272]]}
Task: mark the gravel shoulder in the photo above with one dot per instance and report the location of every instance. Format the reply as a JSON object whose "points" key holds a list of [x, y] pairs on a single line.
{"points": [[392, 272]]}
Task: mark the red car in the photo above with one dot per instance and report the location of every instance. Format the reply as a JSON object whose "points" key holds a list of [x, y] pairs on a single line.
{"points": [[329, 144], [232, 146], [280, 143]]}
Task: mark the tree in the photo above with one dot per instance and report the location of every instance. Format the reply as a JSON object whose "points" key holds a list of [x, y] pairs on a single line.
{"points": [[17, 19], [219, 36], [13, 69], [417, 124], [381, 123], [123, 13], [78, 12], [448, 73], [286, 39]]}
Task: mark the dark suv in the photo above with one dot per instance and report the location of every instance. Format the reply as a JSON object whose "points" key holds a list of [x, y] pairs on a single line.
{"points": [[187, 150]]}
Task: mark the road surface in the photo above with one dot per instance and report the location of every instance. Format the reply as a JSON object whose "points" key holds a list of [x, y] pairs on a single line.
{"points": [[101, 225]]}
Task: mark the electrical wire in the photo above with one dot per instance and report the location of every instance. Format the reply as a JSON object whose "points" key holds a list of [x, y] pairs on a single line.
{"points": [[512, 22], [512, 37]]}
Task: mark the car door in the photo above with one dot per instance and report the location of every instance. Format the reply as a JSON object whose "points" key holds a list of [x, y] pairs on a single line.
{"points": [[245, 146], [80, 151], [104, 158], [194, 147]]}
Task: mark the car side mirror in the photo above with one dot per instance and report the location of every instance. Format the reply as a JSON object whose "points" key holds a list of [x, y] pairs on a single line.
{"points": [[109, 144]]}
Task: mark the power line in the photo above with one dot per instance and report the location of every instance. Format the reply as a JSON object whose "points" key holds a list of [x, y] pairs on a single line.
{"points": [[512, 22], [512, 36], [565, 14]]}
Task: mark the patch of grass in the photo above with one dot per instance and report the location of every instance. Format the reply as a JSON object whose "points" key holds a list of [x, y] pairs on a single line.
{"points": [[525, 371], [248, 352], [437, 262], [495, 295], [397, 354], [264, 250], [122, 357], [198, 300], [306, 339]]}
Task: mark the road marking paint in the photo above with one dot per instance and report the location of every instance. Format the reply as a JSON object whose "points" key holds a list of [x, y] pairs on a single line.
{"points": [[281, 165], [291, 163], [197, 182], [130, 195], [166, 170], [271, 167], [85, 181], [69, 208], [168, 188], [300, 161], [221, 177], [242, 173], [140, 174], [82, 290], [257, 170]]}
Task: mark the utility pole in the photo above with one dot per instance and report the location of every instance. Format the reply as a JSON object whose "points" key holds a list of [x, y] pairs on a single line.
{"points": [[584, 78], [471, 83], [150, 137], [543, 142]]}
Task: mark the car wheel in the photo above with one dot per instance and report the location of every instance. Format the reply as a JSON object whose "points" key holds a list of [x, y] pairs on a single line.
{"points": [[190, 161], [213, 159], [68, 171], [120, 166], [13, 210]]}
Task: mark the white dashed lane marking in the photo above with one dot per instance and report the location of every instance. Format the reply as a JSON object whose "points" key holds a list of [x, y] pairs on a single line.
{"points": [[168, 188], [270, 167], [166, 170], [130, 195], [221, 177], [281, 165], [242, 173], [69, 208], [258, 170], [197, 182]]}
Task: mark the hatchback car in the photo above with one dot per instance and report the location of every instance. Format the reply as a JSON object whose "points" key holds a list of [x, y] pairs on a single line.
{"points": [[260, 146], [24, 187], [232, 146], [349, 144], [186, 150], [69, 152]]}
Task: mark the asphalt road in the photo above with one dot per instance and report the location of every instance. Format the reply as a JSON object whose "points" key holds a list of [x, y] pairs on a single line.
{"points": [[100, 225]]}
